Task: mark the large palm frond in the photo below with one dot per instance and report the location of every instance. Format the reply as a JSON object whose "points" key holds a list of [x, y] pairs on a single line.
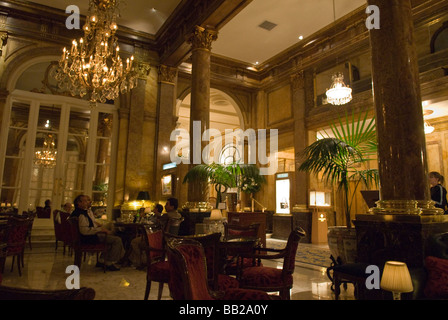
{"points": [[338, 155]]}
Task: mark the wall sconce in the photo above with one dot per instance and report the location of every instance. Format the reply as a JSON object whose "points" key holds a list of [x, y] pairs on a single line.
{"points": [[396, 278]]}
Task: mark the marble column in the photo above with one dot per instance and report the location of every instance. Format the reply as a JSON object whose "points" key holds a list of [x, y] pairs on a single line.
{"points": [[300, 138], [405, 218], [165, 122], [133, 180], [201, 41], [399, 115], [301, 212]]}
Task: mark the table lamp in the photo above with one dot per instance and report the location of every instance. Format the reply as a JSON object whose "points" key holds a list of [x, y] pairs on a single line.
{"points": [[216, 219], [143, 196], [215, 214], [396, 278]]}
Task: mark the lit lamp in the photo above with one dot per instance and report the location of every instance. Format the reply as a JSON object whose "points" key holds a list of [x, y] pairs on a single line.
{"points": [[216, 215], [216, 219], [143, 196], [396, 278]]}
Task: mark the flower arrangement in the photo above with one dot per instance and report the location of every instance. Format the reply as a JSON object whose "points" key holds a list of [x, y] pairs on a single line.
{"points": [[250, 185]]}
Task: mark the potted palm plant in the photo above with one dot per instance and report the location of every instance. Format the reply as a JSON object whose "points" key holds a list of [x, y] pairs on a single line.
{"points": [[339, 157], [224, 176]]}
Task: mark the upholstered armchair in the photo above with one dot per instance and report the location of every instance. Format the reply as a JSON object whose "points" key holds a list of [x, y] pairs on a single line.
{"points": [[158, 269], [79, 247], [217, 281], [189, 269], [271, 279], [233, 231], [17, 240]]}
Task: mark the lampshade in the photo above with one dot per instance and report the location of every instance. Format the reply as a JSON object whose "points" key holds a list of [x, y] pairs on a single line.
{"points": [[396, 277], [143, 195], [215, 214]]}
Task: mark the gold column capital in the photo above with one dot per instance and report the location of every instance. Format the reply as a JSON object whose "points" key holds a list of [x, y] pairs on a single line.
{"points": [[298, 80], [143, 70], [202, 38], [167, 74]]}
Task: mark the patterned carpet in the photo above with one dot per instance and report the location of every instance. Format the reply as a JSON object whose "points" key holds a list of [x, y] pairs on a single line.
{"points": [[307, 253]]}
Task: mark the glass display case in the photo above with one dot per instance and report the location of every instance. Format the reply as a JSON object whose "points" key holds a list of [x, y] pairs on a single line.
{"points": [[283, 192]]}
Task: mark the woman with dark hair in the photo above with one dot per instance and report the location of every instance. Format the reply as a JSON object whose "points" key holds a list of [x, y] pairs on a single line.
{"points": [[438, 191]]}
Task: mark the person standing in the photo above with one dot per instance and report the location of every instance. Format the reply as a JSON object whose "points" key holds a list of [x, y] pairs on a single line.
{"points": [[90, 233], [438, 191]]}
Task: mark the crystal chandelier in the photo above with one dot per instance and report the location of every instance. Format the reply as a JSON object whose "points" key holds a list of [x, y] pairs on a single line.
{"points": [[339, 93], [47, 156], [93, 66]]}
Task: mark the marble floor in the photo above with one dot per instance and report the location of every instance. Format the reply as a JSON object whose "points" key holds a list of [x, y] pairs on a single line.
{"points": [[45, 268]]}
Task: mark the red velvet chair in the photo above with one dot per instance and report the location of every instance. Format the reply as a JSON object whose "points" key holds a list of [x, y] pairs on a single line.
{"points": [[158, 269], [217, 281], [61, 228], [43, 213], [4, 233], [234, 231], [10, 293], [271, 279], [189, 268], [30, 215], [16, 241], [79, 247]]}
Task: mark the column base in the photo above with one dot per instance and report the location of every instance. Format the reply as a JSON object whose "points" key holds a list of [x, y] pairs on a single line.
{"points": [[406, 207]]}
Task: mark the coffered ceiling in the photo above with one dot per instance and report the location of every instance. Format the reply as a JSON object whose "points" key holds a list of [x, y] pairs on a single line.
{"points": [[260, 31], [242, 38]]}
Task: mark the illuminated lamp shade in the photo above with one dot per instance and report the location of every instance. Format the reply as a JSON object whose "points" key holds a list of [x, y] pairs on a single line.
{"points": [[339, 93], [396, 278], [215, 214]]}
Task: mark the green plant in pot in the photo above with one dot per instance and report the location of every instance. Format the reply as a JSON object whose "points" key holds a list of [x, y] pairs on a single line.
{"points": [[340, 156], [224, 176]]}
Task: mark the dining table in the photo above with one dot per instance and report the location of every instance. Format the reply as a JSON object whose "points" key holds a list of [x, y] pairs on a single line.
{"points": [[232, 250], [128, 231]]}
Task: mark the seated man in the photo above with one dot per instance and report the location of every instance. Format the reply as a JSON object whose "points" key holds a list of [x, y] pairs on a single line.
{"points": [[89, 228], [174, 217]]}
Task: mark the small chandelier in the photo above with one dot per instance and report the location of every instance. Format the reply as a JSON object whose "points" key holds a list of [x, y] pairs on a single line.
{"points": [[93, 66], [339, 93], [428, 128], [47, 156]]}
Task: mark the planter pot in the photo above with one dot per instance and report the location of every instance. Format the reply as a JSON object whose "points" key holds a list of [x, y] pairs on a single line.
{"points": [[342, 244]]}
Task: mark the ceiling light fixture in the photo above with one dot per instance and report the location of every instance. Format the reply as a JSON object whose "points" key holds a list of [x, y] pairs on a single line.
{"points": [[428, 128], [339, 93], [93, 66], [46, 157]]}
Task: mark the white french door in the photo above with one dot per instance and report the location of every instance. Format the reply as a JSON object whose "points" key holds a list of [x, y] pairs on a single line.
{"points": [[55, 147]]}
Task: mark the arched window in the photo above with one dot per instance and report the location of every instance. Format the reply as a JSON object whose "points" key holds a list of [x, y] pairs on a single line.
{"points": [[229, 154], [439, 40]]}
